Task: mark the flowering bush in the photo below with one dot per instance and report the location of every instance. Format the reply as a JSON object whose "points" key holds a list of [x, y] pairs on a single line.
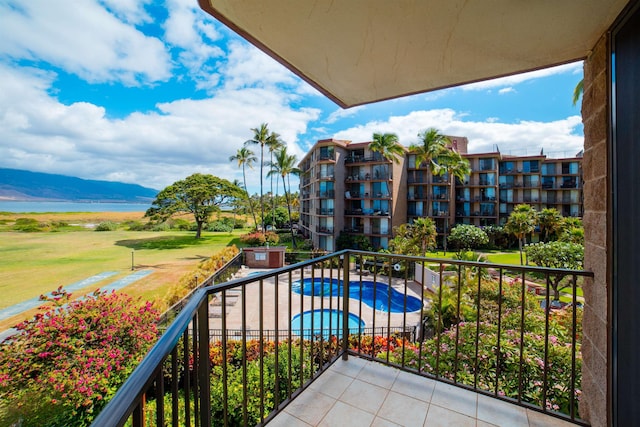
{"points": [[64, 364], [260, 239]]}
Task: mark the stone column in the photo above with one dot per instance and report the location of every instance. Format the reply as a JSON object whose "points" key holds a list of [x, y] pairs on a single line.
{"points": [[597, 228]]}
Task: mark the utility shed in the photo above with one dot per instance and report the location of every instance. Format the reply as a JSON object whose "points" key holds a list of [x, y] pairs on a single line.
{"points": [[264, 257]]}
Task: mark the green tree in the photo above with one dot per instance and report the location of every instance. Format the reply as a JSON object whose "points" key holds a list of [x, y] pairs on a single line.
{"points": [[550, 222], [455, 166], [466, 237], [245, 157], [414, 239], [274, 144], [520, 223], [261, 137], [560, 255], [387, 145], [198, 194], [432, 145], [285, 165]]}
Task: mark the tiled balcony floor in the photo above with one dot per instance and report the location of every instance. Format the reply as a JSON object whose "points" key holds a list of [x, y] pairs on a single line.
{"points": [[358, 392]]}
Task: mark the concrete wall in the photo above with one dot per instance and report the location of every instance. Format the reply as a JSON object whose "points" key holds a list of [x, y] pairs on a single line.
{"points": [[597, 218]]}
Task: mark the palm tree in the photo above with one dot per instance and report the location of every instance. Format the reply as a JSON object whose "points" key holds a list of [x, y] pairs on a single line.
{"points": [[245, 157], [578, 91], [433, 145], [550, 221], [274, 143], [260, 137], [521, 222], [285, 165], [387, 145], [455, 166]]}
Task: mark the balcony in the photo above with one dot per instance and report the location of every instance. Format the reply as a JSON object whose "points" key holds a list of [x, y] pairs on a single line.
{"points": [[324, 229], [328, 194], [324, 211], [250, 352]]}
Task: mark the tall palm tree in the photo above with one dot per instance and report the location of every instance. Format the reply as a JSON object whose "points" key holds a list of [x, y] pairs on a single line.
{"points": [[285, 165], [260, 137], [245, 157], [387, 145], [432, 145], [550, 222], [521, 222], [274, 143], [455, 166]]}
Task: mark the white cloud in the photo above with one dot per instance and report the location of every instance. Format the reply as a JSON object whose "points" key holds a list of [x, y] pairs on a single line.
{"points": [[83, 38], [130, 11], [341, 113], [574, 67], [558, 137], [506, 90], [152, 149]]}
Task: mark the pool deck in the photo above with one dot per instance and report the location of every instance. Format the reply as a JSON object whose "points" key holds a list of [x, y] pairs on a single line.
{"points": [[272, 308], [358, 393]]}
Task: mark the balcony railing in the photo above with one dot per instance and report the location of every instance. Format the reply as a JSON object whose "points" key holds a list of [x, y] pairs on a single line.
{"points": [[239, 352]]}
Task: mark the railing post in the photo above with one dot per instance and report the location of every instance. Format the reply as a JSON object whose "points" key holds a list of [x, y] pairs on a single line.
{"points": [[204, 371], [345, 305]]}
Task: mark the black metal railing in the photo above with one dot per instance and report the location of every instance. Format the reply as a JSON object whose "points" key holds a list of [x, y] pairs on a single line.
{"points": [[238, 352]]}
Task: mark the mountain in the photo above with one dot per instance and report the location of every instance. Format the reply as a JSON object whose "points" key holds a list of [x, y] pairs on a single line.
{"points": [[25, 185]]}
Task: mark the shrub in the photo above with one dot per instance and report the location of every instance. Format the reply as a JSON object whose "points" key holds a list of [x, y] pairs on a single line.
{"points": [[260, 239], [107, 226], [220, 226], [28, 225], [181, 224], [136, 226], [62, 366]]}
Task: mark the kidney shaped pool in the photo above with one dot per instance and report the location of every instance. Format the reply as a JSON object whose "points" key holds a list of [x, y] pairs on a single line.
{"points": [[374, 294]]}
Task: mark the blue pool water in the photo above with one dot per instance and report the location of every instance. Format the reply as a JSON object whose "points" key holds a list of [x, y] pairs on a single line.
{"points": [[325, 322], [333, 287]]}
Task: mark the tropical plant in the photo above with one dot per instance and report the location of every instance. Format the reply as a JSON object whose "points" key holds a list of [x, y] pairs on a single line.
{"points": [[285, 165], [578, 91], [62, 366], [415, 238], [550, 222], [521, 222], [558, 255], [198, 194], [432, 145], [261, 137], [274, 144], [245, 157], [387, 145], [466, 237]]}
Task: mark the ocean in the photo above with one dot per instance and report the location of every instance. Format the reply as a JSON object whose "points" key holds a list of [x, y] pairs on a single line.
{"points": [[26, 207]]}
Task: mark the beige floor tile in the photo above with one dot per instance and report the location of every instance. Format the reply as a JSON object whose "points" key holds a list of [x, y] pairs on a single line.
{"points": [[345, 415], [332, 383], [404, 410], [381, 422], [538, 419], [501, 413], [284, 419], [414, 386], [378, 374], [441, 417], [455, 399], [350, 367], [365, 396], [310, 406]]}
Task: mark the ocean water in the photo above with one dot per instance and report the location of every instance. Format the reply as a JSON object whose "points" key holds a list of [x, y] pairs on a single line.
{"points": [[26, 207]]}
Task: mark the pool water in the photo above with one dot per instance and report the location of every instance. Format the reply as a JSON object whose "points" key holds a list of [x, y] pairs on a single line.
{"points": [[386, 298], [325, 322]]}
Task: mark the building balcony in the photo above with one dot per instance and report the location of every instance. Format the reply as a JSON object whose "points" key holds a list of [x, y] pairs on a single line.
{"points": [[324, 211], [256, 350], [329, 194], [324, 230]]}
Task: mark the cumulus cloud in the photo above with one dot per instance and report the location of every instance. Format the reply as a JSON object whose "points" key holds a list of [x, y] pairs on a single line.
{"points": [[558, 138], [342, 113], [506, 90], [573, 68], [152, 149], [83, 38]]}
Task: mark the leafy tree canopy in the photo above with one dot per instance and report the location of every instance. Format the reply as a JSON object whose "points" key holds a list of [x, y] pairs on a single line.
{"points": [[198, 194], [467, 237]]}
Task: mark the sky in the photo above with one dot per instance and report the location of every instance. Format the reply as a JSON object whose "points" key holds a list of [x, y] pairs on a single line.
{"points": [[150, 91]]}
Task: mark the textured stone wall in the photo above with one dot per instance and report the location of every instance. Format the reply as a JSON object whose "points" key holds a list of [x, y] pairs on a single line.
{"points": [[597, 151]]}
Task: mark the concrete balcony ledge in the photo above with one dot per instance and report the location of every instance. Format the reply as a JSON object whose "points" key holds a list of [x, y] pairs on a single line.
{"points": [[358, 392]]}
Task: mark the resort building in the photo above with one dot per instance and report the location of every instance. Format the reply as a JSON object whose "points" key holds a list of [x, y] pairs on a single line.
{"points": [[347, 188]]}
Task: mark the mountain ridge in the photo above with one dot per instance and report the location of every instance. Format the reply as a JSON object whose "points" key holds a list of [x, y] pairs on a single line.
{"points": [[23, 185]]}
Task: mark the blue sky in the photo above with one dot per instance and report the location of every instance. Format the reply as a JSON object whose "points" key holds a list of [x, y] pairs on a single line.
{"points": [[149, 92]]}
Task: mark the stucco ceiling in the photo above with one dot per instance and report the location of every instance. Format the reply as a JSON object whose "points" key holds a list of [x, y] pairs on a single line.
{"points": [[362, 51]]}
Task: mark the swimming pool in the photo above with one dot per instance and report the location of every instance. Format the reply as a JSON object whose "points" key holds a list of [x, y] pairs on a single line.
{"points": [[325, 322], [333, 287]]}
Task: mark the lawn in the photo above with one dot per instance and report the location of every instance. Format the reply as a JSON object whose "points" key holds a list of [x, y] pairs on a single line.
{"points": [[39, 262]]}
